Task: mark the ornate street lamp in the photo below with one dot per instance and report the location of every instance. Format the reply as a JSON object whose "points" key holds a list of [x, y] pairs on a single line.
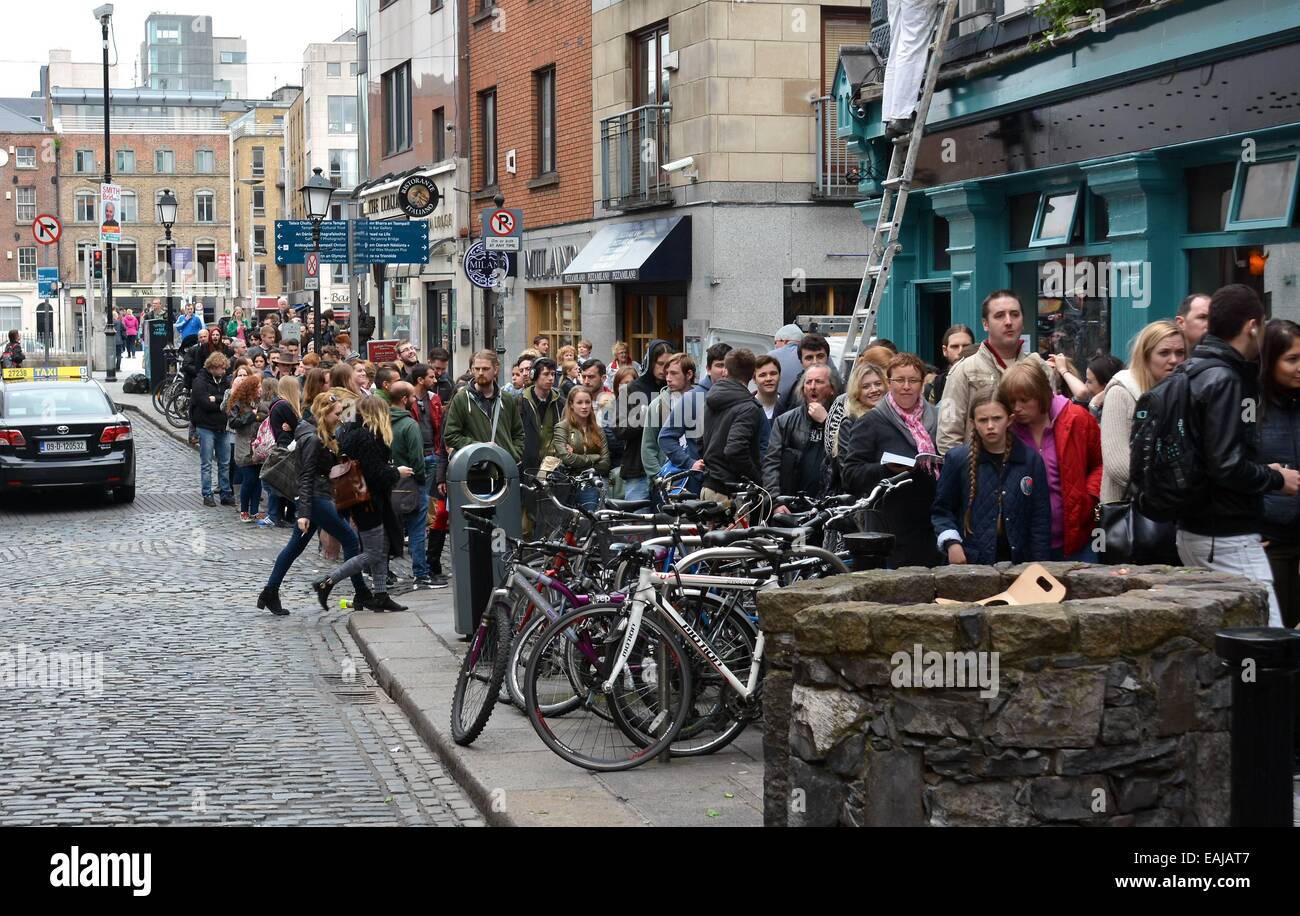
{"points": [[167, 207], [316, 195]]}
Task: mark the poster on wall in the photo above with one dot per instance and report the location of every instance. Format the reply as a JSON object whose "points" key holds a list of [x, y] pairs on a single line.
{"points": [[110, 212], [383, 351]]}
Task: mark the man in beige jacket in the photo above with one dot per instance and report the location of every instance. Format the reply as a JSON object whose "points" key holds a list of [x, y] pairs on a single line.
{"points": [[1004, 322]]}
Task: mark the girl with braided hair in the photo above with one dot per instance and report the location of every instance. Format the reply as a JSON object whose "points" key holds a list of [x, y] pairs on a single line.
{"points": [[993, 503]]}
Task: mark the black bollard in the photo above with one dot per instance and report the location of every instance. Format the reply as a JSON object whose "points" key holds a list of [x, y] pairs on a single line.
{"points": [[870, 549], [1263, 662]]}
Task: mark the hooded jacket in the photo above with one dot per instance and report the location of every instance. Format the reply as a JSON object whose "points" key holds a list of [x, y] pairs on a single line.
{"points": [[408, 443], [380, 472], [731, 446], [1026, 506], [539, 418], [1236, 480], [1078, 460], [906, 512], [634, 401]]}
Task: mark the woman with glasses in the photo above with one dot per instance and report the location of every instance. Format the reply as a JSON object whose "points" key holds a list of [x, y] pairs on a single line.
{"points": [[318, 452], [884, 443]]}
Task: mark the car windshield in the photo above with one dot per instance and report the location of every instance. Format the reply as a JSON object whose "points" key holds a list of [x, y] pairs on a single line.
{"points": [[55, 402]]}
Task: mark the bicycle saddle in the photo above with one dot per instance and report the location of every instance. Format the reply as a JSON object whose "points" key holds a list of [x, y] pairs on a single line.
{"points": [[791, 520], [627, 505], [723, 538], [698, 508]]}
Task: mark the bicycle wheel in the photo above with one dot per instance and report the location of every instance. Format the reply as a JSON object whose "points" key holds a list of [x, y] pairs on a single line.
{"points": [[529, 627], [718, 714], [481, 672], [159, 395], [577, 652], [178, 409]]}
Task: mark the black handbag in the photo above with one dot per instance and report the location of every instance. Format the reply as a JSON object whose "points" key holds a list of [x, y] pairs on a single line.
{"points": [[405, 497], [280, 471], [1134, 539]]}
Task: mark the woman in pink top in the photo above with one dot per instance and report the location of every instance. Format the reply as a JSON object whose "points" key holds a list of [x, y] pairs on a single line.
{"points": [[131, 324]]}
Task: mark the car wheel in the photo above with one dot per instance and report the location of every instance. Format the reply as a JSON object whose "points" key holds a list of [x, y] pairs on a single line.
{"points": [[124, 494]]}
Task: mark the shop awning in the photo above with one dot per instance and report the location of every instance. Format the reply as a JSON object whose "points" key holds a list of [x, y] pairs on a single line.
{"points": [[642, 251]]}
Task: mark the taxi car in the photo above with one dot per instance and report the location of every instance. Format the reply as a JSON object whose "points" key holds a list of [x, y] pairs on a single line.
{"points": [[63, 433]]}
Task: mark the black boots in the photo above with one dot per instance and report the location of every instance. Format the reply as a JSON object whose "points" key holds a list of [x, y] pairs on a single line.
{"points": [[269, 600], [381, 602], [322, 588]]}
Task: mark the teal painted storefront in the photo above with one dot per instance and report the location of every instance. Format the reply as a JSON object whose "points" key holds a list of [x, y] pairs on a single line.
{"points": [[1140, 211]]}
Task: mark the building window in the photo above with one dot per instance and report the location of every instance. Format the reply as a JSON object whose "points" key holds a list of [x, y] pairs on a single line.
{"points": [[26, 264], [352, 68], [343, 168], [26, 198], [164, 161], [205, 161], [338, 274], [342, 114], [130, 208], [11, 312], [333, 69], [259, 273], [259, 201], [205, 256], [85, 161], [85, 207], [160, 258], [818, 297], [124, 162], [647, 316], [487, 106], [259, 240], [234, 57], [1263, 194], [205, 208], [26, 156], [555, 313], [259, 161], [650, 80], [1055, 222], [439, 134], [397, 109], [545, 82], [127, 263]]}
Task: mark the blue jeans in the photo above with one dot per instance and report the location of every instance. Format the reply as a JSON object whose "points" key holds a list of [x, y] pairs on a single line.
{"points": [[636, 488], [274, 504], [325, 516], [587, 497], [250, 488], [215, 446], [417, 528]]}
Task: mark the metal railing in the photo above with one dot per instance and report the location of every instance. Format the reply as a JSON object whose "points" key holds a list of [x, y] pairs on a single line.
{"points": [[838, 170], [254, 129], [140, 124], [632, 146]]}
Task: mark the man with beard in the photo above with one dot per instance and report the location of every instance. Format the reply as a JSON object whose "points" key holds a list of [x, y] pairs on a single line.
{"points": [[795, 455]]}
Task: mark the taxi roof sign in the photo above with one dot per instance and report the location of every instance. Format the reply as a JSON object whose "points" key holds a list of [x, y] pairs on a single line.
{"points": [[46, 374]]}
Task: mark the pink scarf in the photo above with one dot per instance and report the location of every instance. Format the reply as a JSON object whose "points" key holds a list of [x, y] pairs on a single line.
{"points": [[914, 421]]}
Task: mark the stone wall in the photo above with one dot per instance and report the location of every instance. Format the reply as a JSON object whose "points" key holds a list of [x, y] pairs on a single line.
{"points": [[1111, 707]]}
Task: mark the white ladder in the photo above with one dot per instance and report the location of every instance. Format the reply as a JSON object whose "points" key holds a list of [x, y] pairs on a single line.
{"points": [[893, 203]]}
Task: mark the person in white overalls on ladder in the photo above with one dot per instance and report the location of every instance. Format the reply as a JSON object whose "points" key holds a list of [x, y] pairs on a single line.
{"points": [[911, 27]]}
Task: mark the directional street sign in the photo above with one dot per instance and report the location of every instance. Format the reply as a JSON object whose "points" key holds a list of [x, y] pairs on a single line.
{"points": [[503, 229], [376, 241], [47, 229]]}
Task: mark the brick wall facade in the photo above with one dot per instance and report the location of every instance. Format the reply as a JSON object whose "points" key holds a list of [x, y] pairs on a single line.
{"points": [[17, 233], [507, 49]]}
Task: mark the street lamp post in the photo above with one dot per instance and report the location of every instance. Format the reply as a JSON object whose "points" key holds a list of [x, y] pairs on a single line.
{"points": [[104, 14], [316, 196], [167, 207]]}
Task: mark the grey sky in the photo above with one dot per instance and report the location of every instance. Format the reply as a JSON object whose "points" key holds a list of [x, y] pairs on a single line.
{"points": [[277, 34]]}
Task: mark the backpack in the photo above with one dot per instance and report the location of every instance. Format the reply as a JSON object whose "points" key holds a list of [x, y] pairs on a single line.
{"points": [[1166, 471], [263, 442]]}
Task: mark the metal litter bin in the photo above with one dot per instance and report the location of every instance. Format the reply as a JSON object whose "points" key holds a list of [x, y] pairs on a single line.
{"points": [[482, 477]]}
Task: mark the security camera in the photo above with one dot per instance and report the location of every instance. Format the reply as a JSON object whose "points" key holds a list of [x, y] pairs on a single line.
{"points": [[103, 12], [678, 164]]}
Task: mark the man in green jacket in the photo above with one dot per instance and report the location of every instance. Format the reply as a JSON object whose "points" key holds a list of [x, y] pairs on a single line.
{"points": [[408, 450], [469, 418], [540, 408]]}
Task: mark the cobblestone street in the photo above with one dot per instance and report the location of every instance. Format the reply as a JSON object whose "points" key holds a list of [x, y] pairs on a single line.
{"points": [[210, 712]]}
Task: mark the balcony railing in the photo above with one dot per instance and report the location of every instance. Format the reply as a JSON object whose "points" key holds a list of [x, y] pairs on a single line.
{"points": [[838, 170], [632, 146], [140, 125], [253, 129]]}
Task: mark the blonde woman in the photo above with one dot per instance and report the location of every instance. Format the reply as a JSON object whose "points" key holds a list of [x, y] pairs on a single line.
{"points": [[1158, 349], [865, 389], [369, 440], [318, 452], [579, 442]]}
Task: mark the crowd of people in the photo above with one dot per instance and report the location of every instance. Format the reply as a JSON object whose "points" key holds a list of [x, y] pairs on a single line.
{"points": [[1027, 450]]}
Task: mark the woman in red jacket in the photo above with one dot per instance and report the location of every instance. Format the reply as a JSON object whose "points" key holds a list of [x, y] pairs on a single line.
{"points": [[1068, 439]]}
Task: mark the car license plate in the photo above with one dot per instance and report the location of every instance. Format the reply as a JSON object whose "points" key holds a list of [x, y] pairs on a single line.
{"points": [[63, 445]]}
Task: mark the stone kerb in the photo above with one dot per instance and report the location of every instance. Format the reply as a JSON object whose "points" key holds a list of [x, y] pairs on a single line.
{"points": [[883, 708]]}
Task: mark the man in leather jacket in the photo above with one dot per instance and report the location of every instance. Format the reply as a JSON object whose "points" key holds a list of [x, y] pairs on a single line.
{"points": [[1219, 529]]}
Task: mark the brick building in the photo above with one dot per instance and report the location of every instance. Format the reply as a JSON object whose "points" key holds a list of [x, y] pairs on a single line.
{"points": [[160, 140], [530, 111], [27, 170], [259, 196]]}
